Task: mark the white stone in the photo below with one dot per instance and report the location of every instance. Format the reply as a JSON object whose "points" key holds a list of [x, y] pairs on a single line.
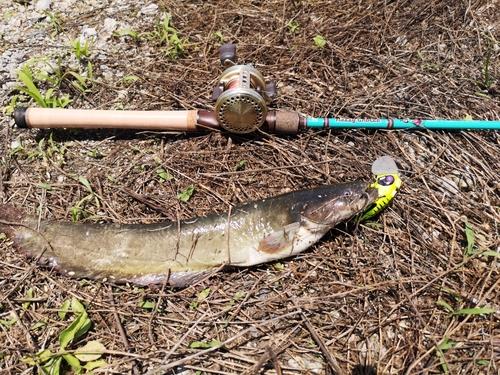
{"points": [[149, 9], [42, 5]]}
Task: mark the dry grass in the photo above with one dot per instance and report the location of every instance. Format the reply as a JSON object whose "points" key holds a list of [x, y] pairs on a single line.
{"points": [[364, 300]]}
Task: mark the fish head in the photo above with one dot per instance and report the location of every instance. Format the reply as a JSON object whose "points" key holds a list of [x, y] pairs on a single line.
{"points": [[334, 204]]}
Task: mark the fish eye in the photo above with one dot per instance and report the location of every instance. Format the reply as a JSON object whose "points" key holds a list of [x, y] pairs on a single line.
{"points": [[347, 193]]}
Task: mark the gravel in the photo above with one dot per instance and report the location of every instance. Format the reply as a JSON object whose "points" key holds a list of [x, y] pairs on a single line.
{"points": [[27, 31]]}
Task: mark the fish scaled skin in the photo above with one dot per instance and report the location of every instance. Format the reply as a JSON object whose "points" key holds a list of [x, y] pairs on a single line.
{"points": [[186, 251]]}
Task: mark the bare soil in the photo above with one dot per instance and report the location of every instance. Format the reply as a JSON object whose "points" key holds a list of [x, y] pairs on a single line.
{"points": [[369, 299]]}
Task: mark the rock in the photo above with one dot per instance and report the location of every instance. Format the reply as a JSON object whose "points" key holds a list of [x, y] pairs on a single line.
{"points": [[42, 5], [88, 33], [312, 366], [150, 9], [109, 25]]}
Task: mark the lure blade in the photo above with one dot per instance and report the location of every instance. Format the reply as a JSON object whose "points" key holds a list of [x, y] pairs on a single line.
{"points": [[384, 165]]}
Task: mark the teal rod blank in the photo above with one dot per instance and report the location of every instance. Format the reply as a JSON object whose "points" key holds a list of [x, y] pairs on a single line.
{"points": [[353, 123]]}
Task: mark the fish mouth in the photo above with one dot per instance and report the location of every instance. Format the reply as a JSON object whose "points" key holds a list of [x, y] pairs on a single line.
{"points": [[371, 195]]}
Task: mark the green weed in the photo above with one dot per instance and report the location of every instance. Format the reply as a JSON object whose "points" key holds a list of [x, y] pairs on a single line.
{"points": [[51, 363], [95, 154], [8, 14], [424, 65], [9, 323], [129, 80], [8, 110], [164, 36], [471, 311], [445, 345], [55, 23], [79, 50], [77, 212], [55, 75], [147, 305], [292, 26], [29, 295], [319, 41], [204, 345], [469, 234], [164, 175], [240, 165], [201, 297], [131, 33], [218, 35], [186, 194], [52, 98], [486, 81], [49, 151], [231, 303]]}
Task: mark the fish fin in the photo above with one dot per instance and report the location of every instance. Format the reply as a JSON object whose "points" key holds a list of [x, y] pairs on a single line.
{"points": [[280, 239]]}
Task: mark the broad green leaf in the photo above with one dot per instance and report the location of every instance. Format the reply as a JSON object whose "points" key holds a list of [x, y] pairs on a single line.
{"points": [[64, 309], [483, 362], [76, 329], [45, 186], [447, 344], [72, 361], [85, 183], [95, 364], [203, 294], [85, 326], [186, 194], [29, 294], [239, 295], [204, 345], [130, 79], [90, 70], [40, 357], [80, 79], [319, 41], [91, 351], [131, 33], [53, 367], [147, 304], [8, 323], [77, 306], [164, 175]]}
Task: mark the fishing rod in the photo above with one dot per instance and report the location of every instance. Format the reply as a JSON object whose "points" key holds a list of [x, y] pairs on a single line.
{"points": [[241, 98]]}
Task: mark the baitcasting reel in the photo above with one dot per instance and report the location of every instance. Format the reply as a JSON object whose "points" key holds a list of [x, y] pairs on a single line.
{"points": [[241, 95]]}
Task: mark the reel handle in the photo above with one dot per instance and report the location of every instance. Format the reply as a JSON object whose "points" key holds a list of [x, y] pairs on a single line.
{"points": [[179, 121]]}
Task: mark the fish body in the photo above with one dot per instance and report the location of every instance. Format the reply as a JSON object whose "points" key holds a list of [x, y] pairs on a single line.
{"points": [[184, 252]]}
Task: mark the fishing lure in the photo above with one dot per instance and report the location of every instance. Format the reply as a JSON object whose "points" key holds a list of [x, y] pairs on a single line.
{"points": [[387, 183]]}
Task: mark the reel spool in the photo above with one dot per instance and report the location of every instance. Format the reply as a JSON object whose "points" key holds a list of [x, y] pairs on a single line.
{"points": [[241, 95]]}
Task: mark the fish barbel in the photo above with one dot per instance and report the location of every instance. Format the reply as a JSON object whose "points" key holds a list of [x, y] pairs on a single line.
{"points": [[181, 253]]}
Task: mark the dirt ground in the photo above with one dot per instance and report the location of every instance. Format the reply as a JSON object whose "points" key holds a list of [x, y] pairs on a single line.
{"points": [[413, 292]]}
